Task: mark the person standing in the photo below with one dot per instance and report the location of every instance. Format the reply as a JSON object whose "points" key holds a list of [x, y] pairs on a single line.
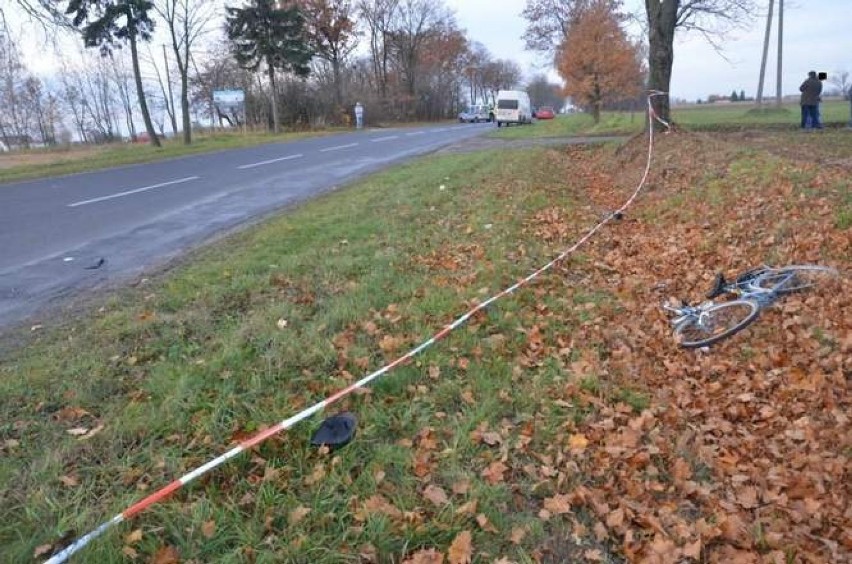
{"points": [[811, 90], [359, 115]]}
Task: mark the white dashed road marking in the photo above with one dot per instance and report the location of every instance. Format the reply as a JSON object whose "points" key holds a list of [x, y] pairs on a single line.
{"points": [[338, 147], [136, 191], [270, 161]]}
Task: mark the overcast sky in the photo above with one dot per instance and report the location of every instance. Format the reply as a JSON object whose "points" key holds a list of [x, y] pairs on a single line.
{"points": [[817, 38]]}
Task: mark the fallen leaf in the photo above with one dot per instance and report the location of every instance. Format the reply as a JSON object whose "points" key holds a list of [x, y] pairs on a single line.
{"points": [[578, 442], [42, 550], [425, 556], [69, 481], [129, 552], [494, 473], [436, 495], [467, 508], [134, 536], [298, 514], [77, 431], [166, 555], [518, 534], [461, 549], [558, 504], [485, 524], [208, 529]]}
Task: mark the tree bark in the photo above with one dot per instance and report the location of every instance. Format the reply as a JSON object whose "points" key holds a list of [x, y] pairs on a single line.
{"points": [[662, 19], [140, 92], [273, 97]]}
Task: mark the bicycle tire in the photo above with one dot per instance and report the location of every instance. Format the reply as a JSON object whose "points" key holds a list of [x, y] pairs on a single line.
{"points": [[794, 278], [713, 326]]}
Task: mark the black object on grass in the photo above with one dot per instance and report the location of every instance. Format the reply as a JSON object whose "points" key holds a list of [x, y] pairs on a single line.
{"points": [[336, 431]]}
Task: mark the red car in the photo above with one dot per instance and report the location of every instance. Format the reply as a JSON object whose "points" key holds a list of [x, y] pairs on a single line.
{"points": [[545, 112]]}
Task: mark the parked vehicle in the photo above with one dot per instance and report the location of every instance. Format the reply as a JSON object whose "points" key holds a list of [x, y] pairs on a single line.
{"points": [[475, 113], [513, 106], [545, 112]]}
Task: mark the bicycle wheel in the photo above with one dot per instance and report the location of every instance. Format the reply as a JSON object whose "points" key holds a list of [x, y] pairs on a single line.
{"points": [[716, 323], [793, 278]]}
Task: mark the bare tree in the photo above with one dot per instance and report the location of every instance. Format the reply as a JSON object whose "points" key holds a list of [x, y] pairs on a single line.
{"points": [[122, 77], [164, 81], [501, 74], [187, 21], [840, 80], [415, 21], [547, 23], [378, 15]]}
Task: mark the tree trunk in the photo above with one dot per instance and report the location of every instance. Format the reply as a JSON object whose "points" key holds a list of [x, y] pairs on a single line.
{"points": [[140, 93], [765, 52], [273, 96], [338, 87], [662, 17], [170, 103]]}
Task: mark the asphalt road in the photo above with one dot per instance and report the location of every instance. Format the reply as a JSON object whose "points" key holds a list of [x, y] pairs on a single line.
{"points": [[59, 236]]}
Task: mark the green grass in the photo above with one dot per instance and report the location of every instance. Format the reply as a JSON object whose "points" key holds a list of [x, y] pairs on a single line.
{"points": [[58, 161], [612, 123], [704, 116], [176, 370]]}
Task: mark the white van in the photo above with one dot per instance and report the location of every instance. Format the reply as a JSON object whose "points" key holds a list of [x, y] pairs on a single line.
{"points": [[513, 106]]}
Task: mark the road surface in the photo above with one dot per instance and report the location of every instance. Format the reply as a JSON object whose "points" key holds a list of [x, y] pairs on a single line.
{"points": [[62, 235]]}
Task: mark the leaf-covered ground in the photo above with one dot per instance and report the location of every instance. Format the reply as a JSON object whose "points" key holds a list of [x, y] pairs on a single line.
{"points": [[563, 424]]}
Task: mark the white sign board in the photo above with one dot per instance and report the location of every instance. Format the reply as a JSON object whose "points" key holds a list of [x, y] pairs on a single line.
{"points": [[229, 97]]}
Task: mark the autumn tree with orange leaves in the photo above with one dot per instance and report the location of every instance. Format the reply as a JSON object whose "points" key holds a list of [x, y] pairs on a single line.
{"points": [[597, 60]]}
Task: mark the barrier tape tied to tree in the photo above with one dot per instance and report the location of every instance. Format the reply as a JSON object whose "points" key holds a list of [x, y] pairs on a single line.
{"points": [[163, 493]]}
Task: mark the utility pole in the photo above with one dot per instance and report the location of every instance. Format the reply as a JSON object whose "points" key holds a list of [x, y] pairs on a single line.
{"points": [[780, 48], [765, 52]]}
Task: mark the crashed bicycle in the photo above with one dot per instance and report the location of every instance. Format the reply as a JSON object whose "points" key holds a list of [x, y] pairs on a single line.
{"points": [[709, 322]]}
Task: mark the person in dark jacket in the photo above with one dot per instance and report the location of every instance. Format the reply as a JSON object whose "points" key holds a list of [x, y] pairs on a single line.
{"points": [[811, 90]]}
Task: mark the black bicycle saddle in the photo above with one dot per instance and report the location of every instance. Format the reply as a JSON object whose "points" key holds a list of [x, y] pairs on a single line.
{"points": [[718, 286]]}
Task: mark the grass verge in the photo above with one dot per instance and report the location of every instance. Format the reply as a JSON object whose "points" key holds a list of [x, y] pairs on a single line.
{"points": [[42, 163]]}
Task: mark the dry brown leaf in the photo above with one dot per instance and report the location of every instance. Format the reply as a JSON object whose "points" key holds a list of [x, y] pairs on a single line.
{"points": [[518, 534], [166, 555], [70, 481], [558, 504], [493, 474], [42, 550], [129, 552], [578, 442], [461, 549], [425, 556], [208, 529], [468, 508], [436, 495], [298, 514]]}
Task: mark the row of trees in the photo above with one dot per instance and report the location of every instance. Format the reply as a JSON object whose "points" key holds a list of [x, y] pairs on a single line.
{"points": [[295, 60]]}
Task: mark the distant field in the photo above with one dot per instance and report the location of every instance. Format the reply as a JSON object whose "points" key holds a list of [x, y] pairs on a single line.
{"points": [[704, 116], [835, 111]]}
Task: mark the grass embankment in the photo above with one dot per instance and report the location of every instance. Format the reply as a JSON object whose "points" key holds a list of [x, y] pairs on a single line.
{"points": [[561, 425], [42, 163]]}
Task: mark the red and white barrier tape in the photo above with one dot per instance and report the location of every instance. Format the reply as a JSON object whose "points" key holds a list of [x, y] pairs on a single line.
{"points": [[67, 552]]}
